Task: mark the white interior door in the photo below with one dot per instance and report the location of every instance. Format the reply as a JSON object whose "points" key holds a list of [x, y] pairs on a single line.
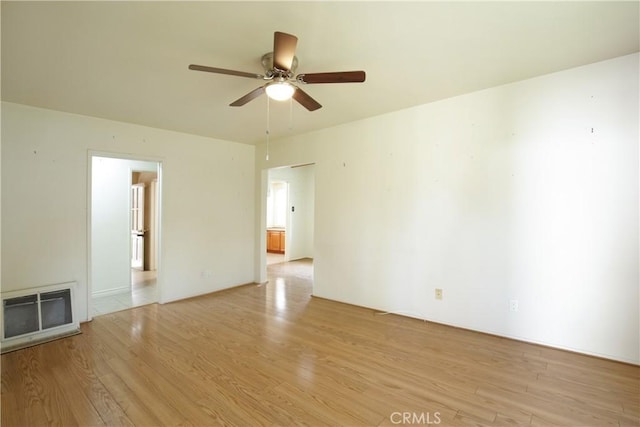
{"points": [[137, 226]]}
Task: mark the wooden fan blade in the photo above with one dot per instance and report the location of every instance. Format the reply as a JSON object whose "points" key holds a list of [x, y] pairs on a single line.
{"points": [[284, 49], [224, 71], [305, 100], [337, 77], [248, 97]]}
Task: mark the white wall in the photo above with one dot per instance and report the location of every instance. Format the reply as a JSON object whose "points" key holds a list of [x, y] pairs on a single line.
{"points": [[299, 230], [527, 191], [207, 202], [110, 223], [0, 204]]}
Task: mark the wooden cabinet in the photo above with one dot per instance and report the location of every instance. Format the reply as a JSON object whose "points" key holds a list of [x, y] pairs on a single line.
{"points": [[275, 241]]}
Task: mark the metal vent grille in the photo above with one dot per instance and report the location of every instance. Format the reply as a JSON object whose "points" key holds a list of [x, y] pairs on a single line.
{"points": [[36, 315]]}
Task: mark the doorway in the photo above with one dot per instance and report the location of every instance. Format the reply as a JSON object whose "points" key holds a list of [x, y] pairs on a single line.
{"points": [[289, 209], [124, 233]]}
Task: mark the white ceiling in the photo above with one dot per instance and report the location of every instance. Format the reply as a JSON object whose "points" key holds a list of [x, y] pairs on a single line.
{"points": [[128, 61]]}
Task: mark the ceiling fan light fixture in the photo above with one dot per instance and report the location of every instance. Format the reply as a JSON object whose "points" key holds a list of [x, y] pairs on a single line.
{"points": [[280, 91]]}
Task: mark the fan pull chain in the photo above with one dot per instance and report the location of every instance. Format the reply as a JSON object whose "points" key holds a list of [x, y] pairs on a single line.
{"points": [[268, 133]]}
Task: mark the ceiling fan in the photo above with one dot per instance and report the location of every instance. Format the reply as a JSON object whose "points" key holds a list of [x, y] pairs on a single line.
{"points": [[280, 66]]}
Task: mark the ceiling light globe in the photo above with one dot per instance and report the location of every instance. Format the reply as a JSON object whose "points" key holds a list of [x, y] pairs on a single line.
{"points": [[280, 91]]}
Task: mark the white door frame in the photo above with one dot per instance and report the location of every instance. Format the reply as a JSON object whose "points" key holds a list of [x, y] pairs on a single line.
{"points": [[124, 156]]}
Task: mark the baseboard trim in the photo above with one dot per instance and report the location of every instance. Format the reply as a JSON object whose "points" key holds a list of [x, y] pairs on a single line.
{"points": [[110, 292]]}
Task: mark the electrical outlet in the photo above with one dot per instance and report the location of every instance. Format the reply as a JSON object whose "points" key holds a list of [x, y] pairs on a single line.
{"points": [[513, 305], [206, 274], [438, 293]]}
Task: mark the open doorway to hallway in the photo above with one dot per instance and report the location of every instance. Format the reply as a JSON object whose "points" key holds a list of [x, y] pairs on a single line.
{"points": [[124, 233], [289, 208]]}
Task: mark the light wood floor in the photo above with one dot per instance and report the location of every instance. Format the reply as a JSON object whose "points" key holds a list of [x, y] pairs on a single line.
{"points": [[264, 355]]}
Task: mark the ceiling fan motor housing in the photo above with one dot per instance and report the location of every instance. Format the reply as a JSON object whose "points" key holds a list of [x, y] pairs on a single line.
{"points": [[270, 71]]}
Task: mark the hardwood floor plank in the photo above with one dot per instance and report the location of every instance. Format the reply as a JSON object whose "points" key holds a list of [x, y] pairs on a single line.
{"points": [[129, 402], [110, 344], [149, 391], [43, 402], [178, 398], [81, 375], [507, 420], [77, 402], [13, 392], [368, 410], [561, 413], [632, 408], [308, 408], [567, 390], [223, 412], [600, 379]]}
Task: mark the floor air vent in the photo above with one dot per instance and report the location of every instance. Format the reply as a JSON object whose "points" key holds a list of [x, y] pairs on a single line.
{"points": [[33, 316]]}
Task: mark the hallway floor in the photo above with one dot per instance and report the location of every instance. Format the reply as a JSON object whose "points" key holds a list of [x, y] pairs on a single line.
{"points": [[144, 291], [274, 258]]}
